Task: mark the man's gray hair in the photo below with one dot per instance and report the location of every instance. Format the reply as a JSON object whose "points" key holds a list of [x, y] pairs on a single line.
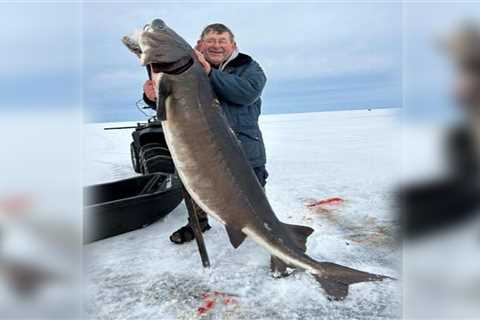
{"points": [[217, 28]]}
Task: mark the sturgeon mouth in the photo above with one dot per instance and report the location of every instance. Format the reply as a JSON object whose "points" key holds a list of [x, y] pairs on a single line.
{"points": [[175, 67]]}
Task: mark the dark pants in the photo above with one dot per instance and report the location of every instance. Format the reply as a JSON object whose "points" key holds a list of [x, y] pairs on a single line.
{"points": [[260, 172]]}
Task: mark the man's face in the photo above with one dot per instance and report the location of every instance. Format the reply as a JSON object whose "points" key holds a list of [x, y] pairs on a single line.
{"points": [[216, 47], [462, 46]]}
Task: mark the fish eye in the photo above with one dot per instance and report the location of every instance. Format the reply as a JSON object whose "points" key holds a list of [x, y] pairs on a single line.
{"points": [[158, 24]]}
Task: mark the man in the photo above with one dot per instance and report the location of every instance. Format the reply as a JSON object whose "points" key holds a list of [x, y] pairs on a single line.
{"points": [[454, 198], [464, 48], [238, 81]]}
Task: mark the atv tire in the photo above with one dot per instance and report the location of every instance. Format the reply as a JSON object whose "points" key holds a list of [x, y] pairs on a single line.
{"points": [[135, 158], [155, 158]]}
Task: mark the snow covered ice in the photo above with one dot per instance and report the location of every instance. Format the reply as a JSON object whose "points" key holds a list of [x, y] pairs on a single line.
{"points": [[354, 155]]}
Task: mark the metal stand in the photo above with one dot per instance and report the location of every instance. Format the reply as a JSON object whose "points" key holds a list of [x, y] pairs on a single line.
{"points": [[193, 217]]}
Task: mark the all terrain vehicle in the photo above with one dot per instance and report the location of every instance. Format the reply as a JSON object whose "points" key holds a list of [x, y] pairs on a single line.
{"points": [[148, 150]]}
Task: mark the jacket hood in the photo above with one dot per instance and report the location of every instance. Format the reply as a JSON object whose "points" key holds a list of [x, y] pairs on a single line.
{"points": [[236, 59]]}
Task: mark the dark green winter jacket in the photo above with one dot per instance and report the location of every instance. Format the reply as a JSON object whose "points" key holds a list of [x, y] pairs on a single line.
{"points": [[238, 87]]}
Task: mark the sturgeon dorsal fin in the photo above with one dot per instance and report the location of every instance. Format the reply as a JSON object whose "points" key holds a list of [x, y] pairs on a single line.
{"points": [[300, 233], [236, 236]]}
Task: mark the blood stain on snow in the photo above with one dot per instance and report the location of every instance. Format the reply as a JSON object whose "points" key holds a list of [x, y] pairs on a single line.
{"points": [[328, 201], [16, 204], [211, 298], [323, 207], [369, 231]]}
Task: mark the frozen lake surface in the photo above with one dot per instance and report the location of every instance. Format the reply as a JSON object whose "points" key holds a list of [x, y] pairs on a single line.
{"points": [[354, 155]]}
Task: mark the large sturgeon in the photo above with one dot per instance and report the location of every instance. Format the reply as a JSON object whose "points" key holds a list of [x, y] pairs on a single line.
{"points": [[214, 169]]}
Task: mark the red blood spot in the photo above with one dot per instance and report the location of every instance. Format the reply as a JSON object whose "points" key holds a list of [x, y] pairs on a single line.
{"points": [[208, 303], [17, 203], [328, 201], [206, 306]]}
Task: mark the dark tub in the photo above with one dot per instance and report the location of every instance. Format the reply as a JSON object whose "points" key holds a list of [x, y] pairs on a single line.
{"points": [[122, 206]]}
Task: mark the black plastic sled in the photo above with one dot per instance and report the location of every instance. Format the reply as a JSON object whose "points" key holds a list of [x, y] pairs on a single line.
{"points": [[122, 206]]}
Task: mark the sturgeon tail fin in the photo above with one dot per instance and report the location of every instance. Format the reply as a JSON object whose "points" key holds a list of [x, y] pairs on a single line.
{"points": [[300, 234], [336, 279]]}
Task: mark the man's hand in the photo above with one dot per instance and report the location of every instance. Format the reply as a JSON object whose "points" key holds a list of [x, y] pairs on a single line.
{"points": [[149, 89], [203, 62]]}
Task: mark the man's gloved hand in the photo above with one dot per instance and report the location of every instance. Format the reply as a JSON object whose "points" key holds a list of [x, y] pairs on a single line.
{"points": [[149, 89]]}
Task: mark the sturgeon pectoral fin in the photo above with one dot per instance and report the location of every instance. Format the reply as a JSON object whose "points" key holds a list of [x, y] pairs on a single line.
{"points": [[300, 233], [236, 236]]}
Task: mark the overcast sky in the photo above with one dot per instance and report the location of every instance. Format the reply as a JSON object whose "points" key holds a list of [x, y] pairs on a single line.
{"points": [[316, 56]]}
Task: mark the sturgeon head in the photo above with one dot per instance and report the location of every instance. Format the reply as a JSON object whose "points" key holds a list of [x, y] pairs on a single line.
{"points": [[214, 169], [161, 47]]}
